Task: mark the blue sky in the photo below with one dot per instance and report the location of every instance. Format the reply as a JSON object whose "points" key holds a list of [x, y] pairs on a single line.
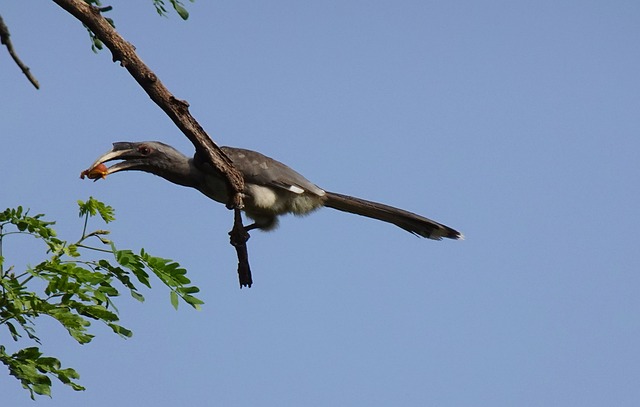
{"points": [[514, 122]]}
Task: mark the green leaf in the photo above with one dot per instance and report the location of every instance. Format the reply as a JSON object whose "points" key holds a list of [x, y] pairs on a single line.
{"points": [[193, 301], [174, 299], [188, 290], [94, 207], [120, 330], [137, 296], [13, 331], [182, 12], [72, 251], [43, 389], [49, 362]]}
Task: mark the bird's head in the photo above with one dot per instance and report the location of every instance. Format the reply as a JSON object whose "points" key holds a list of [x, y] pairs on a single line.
{"points": [[149, 156]]}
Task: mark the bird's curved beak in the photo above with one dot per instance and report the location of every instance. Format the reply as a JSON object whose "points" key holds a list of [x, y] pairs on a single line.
{"points": [[120, 151]]}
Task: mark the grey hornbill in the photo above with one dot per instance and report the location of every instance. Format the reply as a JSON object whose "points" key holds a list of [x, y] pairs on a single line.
{"points": [[271, 188]]}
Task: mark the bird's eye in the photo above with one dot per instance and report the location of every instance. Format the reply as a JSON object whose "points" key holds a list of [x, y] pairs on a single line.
{"points": [[144, 150]]}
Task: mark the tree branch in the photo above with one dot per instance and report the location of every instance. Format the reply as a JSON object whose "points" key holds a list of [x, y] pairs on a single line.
{"points": [[176, 109], [5, 39]]}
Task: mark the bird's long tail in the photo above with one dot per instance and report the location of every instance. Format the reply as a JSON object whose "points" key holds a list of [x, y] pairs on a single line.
{"points": [[416, 224]]}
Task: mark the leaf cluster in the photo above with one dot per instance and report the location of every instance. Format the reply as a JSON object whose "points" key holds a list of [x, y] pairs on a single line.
{"points": [[177, 5], [73, 288]]}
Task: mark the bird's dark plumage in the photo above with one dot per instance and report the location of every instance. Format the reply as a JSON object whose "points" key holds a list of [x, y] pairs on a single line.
{"points": [[271, 188]]}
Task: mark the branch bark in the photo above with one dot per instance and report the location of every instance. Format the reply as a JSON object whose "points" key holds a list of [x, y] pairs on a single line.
{"points": [[177, 110], [239, 237], [5, 39]]}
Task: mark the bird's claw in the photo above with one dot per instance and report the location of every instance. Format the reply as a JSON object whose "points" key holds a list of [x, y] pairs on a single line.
{"points": [[238, 237]]}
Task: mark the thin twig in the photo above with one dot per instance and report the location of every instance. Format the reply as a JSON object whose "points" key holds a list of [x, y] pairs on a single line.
{"points": [[5, 39], [94, 248]]}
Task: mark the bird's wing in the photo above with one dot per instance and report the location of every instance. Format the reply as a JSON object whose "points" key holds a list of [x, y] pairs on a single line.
{"points": [[262, 170]]}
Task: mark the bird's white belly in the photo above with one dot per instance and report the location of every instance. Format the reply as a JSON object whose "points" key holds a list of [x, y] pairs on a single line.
{"points": [[268, 200]]}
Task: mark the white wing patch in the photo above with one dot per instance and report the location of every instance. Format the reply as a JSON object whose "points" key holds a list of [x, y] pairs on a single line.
{"points": [[295, 189]]}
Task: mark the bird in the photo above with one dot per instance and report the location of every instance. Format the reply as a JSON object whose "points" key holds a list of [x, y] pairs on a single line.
{"points": [[271, 188]]}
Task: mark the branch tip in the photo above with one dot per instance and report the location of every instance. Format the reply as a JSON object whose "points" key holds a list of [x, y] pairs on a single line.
{"points": [[239, 238], [5, 39]]}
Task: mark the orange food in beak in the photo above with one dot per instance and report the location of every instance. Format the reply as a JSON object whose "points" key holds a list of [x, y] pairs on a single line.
{"points": [[99, 171]]}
